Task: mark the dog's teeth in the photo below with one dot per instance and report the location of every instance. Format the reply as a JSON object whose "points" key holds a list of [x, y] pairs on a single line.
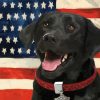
{"points": [[63, 59], [65, 56], [45, 54]]}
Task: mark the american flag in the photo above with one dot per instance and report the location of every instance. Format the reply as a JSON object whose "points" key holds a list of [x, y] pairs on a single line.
{"points": [[18, 65]]}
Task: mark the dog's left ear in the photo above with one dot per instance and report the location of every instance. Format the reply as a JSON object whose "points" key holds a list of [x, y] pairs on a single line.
{"points": [[92, 38], [27, 34]]}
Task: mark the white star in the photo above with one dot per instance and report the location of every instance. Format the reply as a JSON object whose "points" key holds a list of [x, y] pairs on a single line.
{"points": [[28, 51], [35, 5], [1, 16], [4, 51], [8, 16], [19, 50], [12, 50], [32, 41], [19, 28], [40, 15], [28, 5], [8, 39], [15, 40], [4, 4], [12, 5], [32, 16], [35, 52], [12, 28], [16, 16], [0, 40], [20, 5], [24, 16], [51, 5], [43, 4], [4, 28]]}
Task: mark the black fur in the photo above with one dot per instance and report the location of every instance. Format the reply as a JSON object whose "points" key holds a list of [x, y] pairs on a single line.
{"points": [[82, 40]]}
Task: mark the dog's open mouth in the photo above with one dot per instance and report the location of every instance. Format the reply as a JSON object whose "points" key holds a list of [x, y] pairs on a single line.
{"points": [[52, 61]]}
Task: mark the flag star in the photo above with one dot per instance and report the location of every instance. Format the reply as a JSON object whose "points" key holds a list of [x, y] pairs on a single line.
{"points": [[8, 16], [51, 5], [20, 5], [4, 28], [32, 16], [4, 4], [12, 5], [8, 39], [19, 28], [43, 4], [28, 51], [16, 16], [19, 50], [35, 5], [40, 15], [32, 41], [0, 40], [28, 5], [4, 51], [1, 15], [12, 50], [12, 28], [35, 52], [15, 40], [24, 16]]}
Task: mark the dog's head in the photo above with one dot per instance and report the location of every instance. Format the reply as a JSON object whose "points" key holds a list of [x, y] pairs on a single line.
{"points": [[62, 39]]}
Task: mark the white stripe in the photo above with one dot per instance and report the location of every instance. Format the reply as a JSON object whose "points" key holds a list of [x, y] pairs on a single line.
{"points": [[96, 21], [75, 4], [16, 84], [26, 63], [97, 62], [19, 63]]}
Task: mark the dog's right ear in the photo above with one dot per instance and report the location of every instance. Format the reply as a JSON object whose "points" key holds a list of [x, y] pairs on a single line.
{"points": [[92, 38], [27, 34]]}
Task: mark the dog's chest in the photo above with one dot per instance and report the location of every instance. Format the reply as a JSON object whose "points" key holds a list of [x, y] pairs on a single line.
{"points": [[62, 97]]}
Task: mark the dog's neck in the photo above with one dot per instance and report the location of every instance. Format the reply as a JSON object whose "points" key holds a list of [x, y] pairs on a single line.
{"points": [[86, 71]]}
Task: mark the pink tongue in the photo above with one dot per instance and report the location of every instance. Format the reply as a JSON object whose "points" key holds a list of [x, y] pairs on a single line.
{"points": [[51, 65]]}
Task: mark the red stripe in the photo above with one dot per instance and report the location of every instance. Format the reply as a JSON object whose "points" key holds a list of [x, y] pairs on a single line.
{"points": [[89, 13], [98, 70], [97, 55], [17, 73], [15, 94]]}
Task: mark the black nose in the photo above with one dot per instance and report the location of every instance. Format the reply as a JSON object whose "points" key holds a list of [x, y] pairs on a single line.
{"points": [[49, 38]]}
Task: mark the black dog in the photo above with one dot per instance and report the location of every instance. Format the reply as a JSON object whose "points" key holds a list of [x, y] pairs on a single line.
{"points": [[66, 44]]}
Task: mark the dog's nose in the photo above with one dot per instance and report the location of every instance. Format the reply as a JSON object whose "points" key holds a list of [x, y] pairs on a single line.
{"points": [[49, 38]]}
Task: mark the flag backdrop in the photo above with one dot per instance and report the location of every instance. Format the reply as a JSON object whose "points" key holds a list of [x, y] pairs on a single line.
{"points": [[18, 65]]}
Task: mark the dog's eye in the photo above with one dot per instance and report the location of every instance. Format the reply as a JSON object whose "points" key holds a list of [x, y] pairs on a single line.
{"points": [[45, 24], [70, 28]]}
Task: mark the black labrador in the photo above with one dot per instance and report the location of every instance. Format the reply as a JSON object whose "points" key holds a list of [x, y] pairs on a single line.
{"points": [[66, 44]]}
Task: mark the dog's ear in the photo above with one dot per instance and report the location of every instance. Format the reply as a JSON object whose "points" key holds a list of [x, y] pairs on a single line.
{"points": [[26, 35], [92, 38]]}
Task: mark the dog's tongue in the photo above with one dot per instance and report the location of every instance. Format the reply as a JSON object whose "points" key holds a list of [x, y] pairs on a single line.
{"points": [[51, 65]]}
